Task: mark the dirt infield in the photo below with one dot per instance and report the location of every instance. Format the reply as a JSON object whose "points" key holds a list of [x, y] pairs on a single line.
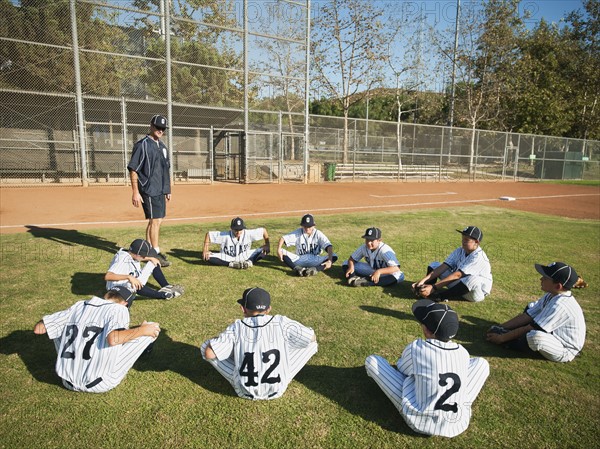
{"points": [[100, 206]]}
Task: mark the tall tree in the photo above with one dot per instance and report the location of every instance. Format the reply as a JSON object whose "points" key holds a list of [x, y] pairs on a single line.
{"points": [[349, 49], [585, 34], [486, 54]]}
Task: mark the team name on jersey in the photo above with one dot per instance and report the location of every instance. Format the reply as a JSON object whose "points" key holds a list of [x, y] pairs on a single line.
{"points": [[312, 248], [234, 250], [376, 263]]}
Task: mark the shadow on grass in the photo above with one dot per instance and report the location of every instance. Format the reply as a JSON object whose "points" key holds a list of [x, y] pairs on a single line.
{"points": [[88, 284], [352, 389], [188, 256], [471, 334], [37, 353], [72, 237], [185, 360]]}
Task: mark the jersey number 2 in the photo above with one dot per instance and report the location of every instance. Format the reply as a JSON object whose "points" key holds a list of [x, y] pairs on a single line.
{"points": [[247, 369], [90, 332], [440, 404]]}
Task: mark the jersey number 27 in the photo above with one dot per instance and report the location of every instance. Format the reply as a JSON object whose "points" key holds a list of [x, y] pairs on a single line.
{"points": [[90, 333], [247, 369]]}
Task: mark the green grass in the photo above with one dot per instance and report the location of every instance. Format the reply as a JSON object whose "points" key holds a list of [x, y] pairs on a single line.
{"points": [[584, 182], [174, 399]]}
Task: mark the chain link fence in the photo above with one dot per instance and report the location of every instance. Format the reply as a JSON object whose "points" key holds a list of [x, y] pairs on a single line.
{"points": [[79, 80]]}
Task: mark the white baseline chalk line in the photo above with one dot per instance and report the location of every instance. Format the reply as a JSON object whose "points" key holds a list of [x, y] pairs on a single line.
{"points": [[414, 194], [302, 211]]}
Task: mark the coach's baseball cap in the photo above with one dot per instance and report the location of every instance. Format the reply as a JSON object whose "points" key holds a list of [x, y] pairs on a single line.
{"points": [[237, 224], [308, 221], [159, 121], [142, 248], [472, 231], [372, 234], [439, 318], [123, 292], [559, 272], [255, 298]]}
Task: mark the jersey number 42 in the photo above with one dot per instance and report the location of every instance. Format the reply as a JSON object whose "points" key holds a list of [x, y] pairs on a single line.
{"points": [[248, 370]]}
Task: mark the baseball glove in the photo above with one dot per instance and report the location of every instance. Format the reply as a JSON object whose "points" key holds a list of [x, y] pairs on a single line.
{"points": [[580, 283]]}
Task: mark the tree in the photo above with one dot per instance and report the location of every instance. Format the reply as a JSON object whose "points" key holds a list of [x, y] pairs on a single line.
{"points": [[487, 52], [348, 53], [585, 97]]}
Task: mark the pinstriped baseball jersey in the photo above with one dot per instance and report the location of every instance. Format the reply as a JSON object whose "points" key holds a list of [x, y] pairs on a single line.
{"points": [[86, 362], [434, 385], [382, 257], [307, 244], [238, 249], [123, 263], [561, 316], [476, 265], [266, 353]]}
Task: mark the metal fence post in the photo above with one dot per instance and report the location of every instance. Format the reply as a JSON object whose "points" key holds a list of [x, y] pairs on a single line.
{"points": [[124, 134], [79, 96]]}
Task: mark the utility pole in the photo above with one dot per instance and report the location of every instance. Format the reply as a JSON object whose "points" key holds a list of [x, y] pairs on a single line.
{"points": [[453, 81]]}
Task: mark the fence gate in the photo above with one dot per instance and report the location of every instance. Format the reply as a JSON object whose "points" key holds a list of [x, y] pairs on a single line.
{"points": [[228, 155]]}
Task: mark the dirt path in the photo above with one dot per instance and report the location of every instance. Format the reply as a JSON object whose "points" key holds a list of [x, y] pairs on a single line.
{"points": [[99, 206]]}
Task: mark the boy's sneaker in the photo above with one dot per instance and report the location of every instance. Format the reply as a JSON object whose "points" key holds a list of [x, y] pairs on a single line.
{"points": [[172, 291], [236, 265], [163, 260], [352, 280], [247, 264], [361, 282], [498, 330], [310, 271], [300, 270]]}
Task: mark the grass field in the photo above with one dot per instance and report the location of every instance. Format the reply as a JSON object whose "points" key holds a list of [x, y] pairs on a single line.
{"points": [[174, 399]]}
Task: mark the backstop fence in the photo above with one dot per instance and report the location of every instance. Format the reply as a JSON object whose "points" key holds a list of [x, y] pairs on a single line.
{"points": [[80, 79]]}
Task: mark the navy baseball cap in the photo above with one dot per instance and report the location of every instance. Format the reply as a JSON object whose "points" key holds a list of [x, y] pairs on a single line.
{"points": [[308, 221], [372, 234], [439, 318], [142, 248], [473, 232], [559, 272], [237, 224], [123, 292], [255, 298], [158, 121]]}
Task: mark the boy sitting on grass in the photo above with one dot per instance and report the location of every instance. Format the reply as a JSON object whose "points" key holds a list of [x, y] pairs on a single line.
{"points": [[552, 326]]}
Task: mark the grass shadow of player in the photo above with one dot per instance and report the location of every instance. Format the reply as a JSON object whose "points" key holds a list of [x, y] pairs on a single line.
{"points": [[88, 284], [188, 256], [184, 359], [73, 237], [471, 335], [352, 389], [388, 312], [36, 351]]}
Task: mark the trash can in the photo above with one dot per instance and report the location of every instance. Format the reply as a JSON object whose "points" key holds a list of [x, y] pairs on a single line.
{"points": [[330, 171]]}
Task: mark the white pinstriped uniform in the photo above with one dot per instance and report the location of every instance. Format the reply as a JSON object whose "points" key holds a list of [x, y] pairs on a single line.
{"points": [[308, 247], [259, 356], [85, 361], [477, 269], [562, 320], [381, 257], [123, 263], [434, 386], [236, 249]]}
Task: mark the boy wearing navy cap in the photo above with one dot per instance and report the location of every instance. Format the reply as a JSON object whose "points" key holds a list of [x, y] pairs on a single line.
{"points": [[465, 274], [260, 354], [435, 381], [554, 325], [381, 267]]}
